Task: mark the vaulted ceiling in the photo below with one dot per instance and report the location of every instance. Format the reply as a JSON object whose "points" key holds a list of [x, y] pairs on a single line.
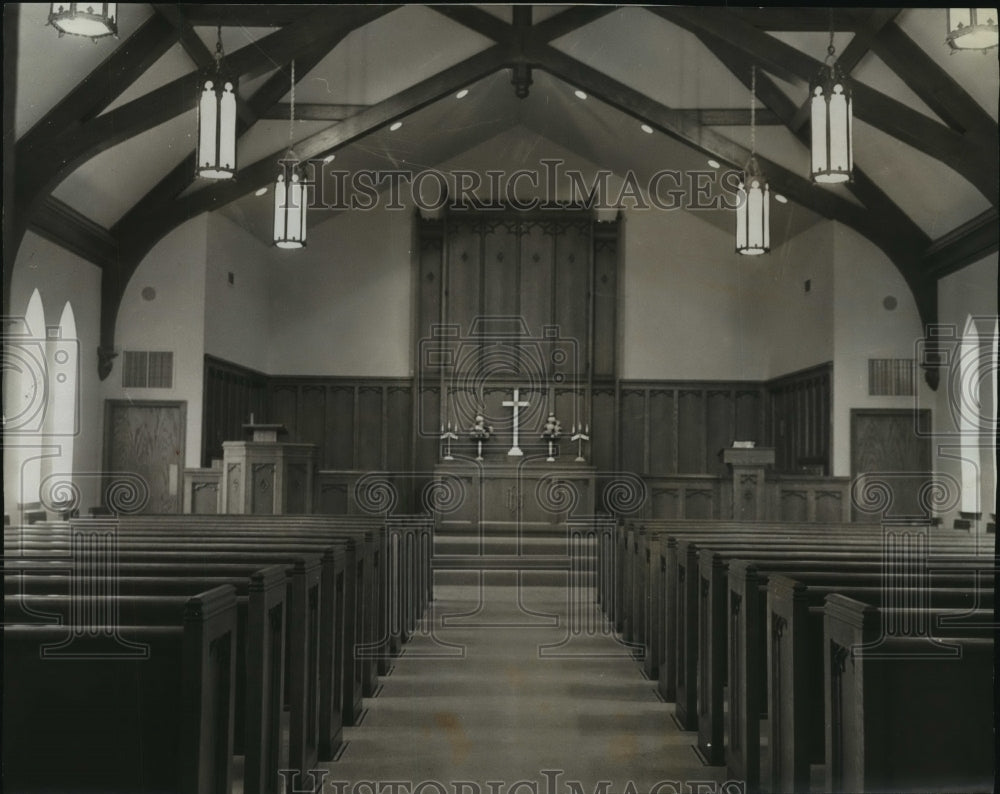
{"points": [[104, 157]]}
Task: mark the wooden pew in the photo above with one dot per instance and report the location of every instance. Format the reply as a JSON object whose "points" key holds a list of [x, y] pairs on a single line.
{"points": [[746, 615], [708, 611], [796, 653], [259, 648], [879, 736], [373, 646], [155, 722], [306, 604], [685, 591], [359, 590]]}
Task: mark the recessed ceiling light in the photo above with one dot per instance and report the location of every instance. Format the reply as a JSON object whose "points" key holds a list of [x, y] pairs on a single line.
{"points": [[647, 129], [580, 94], [462, 94], [714, 163], [780, 199], [328, 158], [395, 126], [261, 192]]}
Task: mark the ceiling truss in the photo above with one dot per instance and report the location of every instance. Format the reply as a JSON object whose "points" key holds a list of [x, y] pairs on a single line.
{"points": [[77, 128]]}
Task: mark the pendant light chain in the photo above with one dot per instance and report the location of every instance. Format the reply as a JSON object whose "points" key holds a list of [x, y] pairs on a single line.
{"points": [[753, 110], [218, 48], [291, 115]]}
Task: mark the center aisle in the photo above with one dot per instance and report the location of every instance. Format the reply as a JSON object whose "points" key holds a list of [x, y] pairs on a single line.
{"points": [[477, 696]]}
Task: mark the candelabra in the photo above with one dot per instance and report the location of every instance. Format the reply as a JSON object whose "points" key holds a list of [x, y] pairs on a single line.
{"points": [[579, 436], [448, 436]]}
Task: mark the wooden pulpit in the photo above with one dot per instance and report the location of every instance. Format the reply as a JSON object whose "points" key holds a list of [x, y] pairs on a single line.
{"points": [[264, 476], [749, 494]]}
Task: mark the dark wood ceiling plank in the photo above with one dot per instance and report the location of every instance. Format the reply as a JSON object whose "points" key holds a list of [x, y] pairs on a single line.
{"points": [[263, 15], [970, 242], [314, 111], [139, 236], [475, 19], [100, 88], [264, 99], [567, 21], [814, 20], [882, 112], [61, 155], [935, 87], [202, 56], [59, 223], [890, 228], [680, 127]]}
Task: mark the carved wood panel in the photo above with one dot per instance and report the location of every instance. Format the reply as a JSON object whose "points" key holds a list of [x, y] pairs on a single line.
{"points": [[145, 439]]}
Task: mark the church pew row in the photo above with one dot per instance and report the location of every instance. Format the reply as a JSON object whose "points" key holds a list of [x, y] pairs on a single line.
{"points": [[763, 663], [370, 599], [158, 716], [404, 541], [260, 630], [624, 588], [314, 725], [952, 606], [879, 737], [695, 621], [630, 546], [701, 617], [414, 546], [654, 605]]}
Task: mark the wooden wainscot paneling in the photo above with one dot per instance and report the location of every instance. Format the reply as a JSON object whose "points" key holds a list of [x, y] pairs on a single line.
{"points": [[810, 499], [681, 427], [231, 395], [799, 420], [684, 496]]}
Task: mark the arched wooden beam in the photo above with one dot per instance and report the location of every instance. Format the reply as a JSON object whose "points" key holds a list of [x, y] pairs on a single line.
{"points": [[142, 234]]}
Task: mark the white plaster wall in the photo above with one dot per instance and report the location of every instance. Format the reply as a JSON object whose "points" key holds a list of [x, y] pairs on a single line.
{"points": [[863, 329], [685, 298], [341, 305], [174, 320], [794, 328], [237, 315]]}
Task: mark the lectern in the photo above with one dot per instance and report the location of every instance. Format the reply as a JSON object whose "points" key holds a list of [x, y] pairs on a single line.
{"points": [[265, 476], [749, 494]]}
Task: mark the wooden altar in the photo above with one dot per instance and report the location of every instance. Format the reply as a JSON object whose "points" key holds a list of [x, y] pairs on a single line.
{"points": [[530, 491]]}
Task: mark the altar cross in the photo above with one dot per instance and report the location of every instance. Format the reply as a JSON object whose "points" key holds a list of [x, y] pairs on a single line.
{"points": [[517, 405]]}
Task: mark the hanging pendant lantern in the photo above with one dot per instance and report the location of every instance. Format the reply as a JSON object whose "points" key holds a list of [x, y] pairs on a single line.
{"points": [[753, 215], [972, 28], [753, 212], [93, 20], [289, 205], [289, 191], [832, 124], [217, 120]]}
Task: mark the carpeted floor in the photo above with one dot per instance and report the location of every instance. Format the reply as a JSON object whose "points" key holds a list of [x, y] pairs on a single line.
{"points": [[500, 691]]}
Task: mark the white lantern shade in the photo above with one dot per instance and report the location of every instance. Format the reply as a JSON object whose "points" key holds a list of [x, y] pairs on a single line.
{"points": [[832, 124], [753, 215], [289, 210], [217, 128], [93, 20], [972, 28]]}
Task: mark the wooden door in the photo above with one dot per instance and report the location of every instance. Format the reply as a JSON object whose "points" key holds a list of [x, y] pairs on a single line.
{"points": [[886, 443], [146, 439]]}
